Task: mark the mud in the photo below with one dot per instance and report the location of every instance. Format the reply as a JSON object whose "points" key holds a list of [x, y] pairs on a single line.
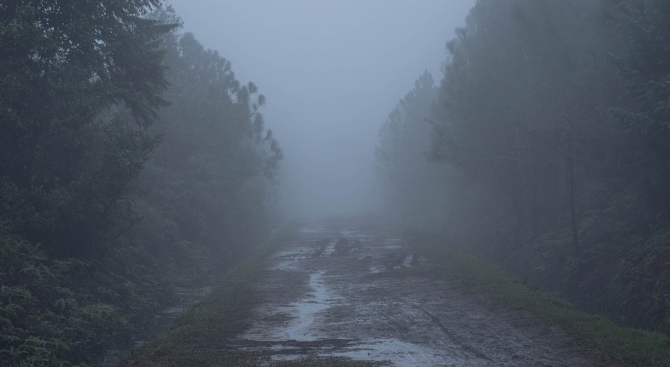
{"points": [[368, 297]]}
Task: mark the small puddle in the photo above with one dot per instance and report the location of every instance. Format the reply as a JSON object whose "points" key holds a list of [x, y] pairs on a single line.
{"points": [[311, 230], [393, 244], [316, 301], [348, 232], [375, 269], [291, 258], [330, 248], [401, 353]]}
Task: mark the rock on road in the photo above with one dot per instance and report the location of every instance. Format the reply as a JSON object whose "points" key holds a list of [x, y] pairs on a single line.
{"points": [[346, 291]]}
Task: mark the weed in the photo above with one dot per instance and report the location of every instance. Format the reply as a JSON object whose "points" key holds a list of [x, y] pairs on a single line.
{"points": [[201, 336], [592, 333]]}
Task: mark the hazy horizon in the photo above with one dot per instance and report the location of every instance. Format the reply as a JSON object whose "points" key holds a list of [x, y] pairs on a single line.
{"points": [[331, 72]]}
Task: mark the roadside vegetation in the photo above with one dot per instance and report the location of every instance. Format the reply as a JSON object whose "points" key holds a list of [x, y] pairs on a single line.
{"points": [[201, 337], [132, 161], [595, 335], [544, 150]]}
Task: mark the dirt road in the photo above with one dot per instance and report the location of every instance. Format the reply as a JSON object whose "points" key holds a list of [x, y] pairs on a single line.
{"points": [[346, 291]]}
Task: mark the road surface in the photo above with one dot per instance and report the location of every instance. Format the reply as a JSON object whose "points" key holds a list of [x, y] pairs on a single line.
{"points": [[343, 290]]}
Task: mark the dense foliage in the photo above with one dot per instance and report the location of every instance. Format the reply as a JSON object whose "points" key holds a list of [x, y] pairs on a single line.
{"points": [[552, 120], [132, 159], [211, 181]]}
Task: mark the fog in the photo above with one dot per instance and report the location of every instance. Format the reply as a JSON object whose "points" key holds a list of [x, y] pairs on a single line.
{"points": [[331, 72], [516, 151]]}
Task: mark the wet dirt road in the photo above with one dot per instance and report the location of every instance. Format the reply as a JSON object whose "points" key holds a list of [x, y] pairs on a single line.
{"points": [[345, 291]]}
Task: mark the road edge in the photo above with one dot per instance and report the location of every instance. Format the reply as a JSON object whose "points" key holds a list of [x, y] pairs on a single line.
{"points": [[198, 336], [594, 335]]}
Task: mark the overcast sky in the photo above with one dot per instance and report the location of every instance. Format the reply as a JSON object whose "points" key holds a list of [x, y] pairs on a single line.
{"points": [[331, 72]]}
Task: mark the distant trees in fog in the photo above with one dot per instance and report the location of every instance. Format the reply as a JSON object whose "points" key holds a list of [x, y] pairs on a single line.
{"points": [[214, 176], [551, 128], [410, 184]]}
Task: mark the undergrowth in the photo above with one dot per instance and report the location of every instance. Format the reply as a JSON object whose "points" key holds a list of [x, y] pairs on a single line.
{"points": [[201, 336], [594, 334], [67, 311]]}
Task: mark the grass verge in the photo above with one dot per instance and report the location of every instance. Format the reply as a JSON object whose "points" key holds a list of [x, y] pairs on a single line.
{"points": [[201, 335], [594, 334]]}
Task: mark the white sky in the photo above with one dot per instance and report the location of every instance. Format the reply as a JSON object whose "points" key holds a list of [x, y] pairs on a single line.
{"points": [[331, 72]]}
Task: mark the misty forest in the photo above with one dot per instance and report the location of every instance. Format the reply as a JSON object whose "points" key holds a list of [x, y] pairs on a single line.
{"points": [[435, 183]]}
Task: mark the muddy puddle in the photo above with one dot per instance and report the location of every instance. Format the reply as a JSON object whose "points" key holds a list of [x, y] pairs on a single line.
{"points": [[343, 291]]}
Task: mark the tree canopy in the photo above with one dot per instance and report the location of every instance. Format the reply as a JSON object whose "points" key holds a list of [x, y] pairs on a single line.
{"points": [[132, 161]]}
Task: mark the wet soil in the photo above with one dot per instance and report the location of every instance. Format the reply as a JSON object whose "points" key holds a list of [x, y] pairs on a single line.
{"points": [[344, 291]]}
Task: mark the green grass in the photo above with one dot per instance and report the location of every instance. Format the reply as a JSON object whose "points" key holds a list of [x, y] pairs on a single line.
{"points": [[595, 335], [201, 335]]}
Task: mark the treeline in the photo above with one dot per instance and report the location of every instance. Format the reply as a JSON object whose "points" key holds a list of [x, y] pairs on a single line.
{"points": [[132, 160], [549, 141]]}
